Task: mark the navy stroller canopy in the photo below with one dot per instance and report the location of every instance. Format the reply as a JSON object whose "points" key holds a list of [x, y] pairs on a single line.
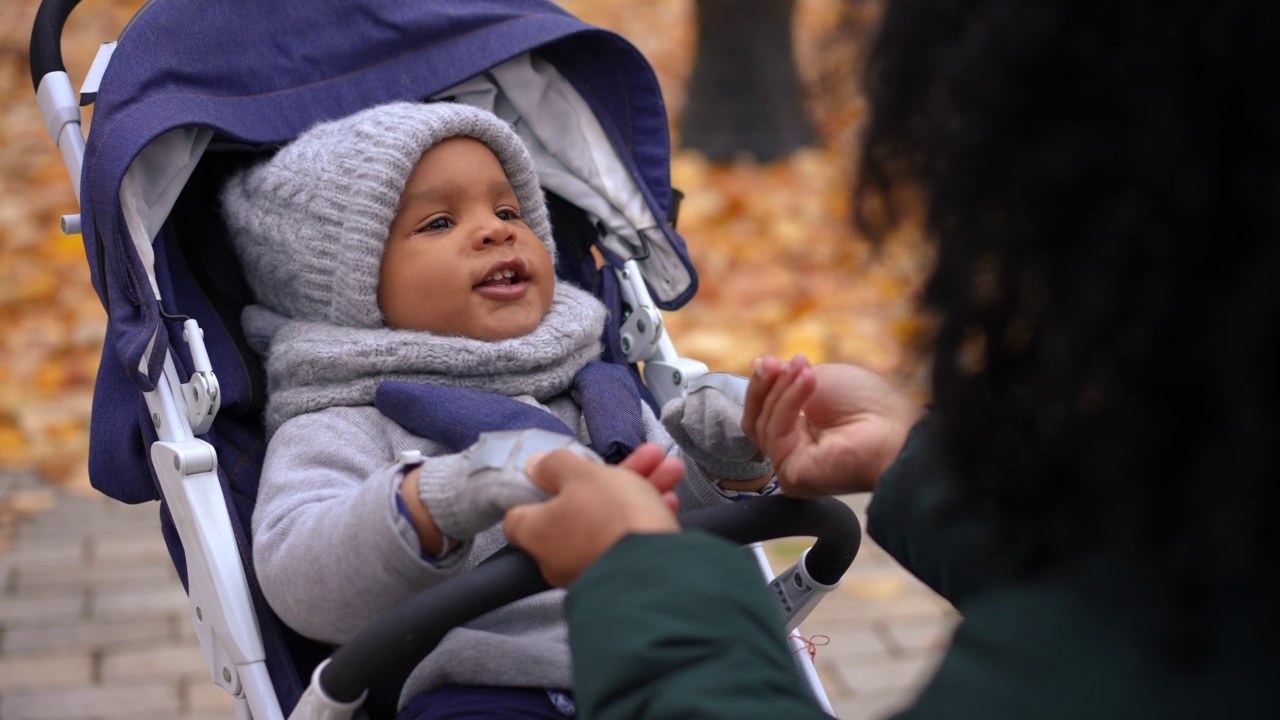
{"points": [[185, 72]]}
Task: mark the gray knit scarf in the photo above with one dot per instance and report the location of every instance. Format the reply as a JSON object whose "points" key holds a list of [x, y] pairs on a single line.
{"points": [[312, 366]]}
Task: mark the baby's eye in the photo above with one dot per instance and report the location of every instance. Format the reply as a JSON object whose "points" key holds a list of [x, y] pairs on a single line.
{"points": [[436, 225], [508, 214]]}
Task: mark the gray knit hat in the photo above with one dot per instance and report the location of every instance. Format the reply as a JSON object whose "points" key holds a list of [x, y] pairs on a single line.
{"points": [[310, 224]]}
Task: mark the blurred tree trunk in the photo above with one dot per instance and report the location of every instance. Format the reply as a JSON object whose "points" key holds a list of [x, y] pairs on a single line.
{"points": [[745, 95]]}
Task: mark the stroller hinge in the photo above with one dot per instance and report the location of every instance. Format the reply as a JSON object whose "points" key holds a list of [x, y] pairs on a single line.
{"points": [[201, 391], [644, 338], [642, 329]]}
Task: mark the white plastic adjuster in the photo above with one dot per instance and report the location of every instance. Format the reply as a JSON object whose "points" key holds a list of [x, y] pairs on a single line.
{"points": [[644, 339], [201, 392], [797, 592], [89, 88], [511, 449], [642, 329], [315, 704]]}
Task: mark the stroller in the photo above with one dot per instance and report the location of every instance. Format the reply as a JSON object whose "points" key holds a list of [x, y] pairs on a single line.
{"points": [[179, 395]]}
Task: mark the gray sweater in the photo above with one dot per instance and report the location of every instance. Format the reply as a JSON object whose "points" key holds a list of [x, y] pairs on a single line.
{"points": [[333, 552]]}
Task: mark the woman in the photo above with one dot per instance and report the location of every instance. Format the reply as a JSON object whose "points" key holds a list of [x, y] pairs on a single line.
{"points": [[1094, 484]]}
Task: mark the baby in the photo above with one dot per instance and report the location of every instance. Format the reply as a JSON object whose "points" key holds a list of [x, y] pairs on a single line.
{"points": [[404, 267]]}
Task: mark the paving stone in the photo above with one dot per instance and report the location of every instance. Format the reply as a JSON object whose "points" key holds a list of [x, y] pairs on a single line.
{"points": [[85, 634], [86, 527], [862, 610], [112, 701], [128, 550], [871, 555], [185, 627], [126, 604], [26, 610], [871, 708], [207, 698], [94, 575], [881, 677], [910, 636], [73, 511], [166, 661], [832, 683], [46, 554], [37, 672], [853, 642]]}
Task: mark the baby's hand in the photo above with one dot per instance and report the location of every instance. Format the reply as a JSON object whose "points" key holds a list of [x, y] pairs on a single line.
{"points": [[706, 423], [594, 506], [493, 480]]}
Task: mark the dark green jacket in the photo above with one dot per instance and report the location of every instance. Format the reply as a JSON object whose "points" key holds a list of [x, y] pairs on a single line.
{"points": [[679, 626]]}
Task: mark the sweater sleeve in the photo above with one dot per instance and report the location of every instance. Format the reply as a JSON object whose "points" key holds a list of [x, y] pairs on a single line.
{"points": [[331, 550], [907, 518], [680, 626]]}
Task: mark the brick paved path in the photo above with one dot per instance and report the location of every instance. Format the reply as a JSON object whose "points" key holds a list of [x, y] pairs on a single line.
{"points": [[94, 624]]}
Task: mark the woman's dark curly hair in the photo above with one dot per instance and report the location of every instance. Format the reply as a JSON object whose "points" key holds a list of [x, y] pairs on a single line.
{"points": [[1102, 180]]}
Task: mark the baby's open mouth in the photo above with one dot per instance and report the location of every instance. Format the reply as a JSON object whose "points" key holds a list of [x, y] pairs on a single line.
{"points": [[505, 280], [502, 277]]}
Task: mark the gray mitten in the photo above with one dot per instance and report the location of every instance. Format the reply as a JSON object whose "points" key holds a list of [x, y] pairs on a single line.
{"points": [[707, 424], [464, 500]]}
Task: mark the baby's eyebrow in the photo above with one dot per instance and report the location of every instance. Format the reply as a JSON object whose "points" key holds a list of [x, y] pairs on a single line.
{"points": [[445, 189], [502, 187], [436, 192]]}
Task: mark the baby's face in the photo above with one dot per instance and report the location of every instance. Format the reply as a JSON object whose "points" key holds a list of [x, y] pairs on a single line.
{"points": [[460, 259]]}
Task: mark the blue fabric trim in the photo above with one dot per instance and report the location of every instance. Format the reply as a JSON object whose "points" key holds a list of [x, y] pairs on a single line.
{"points": [[455, 417]]}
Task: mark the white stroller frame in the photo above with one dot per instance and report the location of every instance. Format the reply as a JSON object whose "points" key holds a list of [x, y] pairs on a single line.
{"points": [[186, 466]]}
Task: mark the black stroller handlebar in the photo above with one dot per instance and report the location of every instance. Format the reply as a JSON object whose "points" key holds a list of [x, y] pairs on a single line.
{"points": [[415, 627], [46, 38]]}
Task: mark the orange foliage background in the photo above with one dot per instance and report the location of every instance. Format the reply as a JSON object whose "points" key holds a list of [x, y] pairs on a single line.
{"points": [[781, 269]]}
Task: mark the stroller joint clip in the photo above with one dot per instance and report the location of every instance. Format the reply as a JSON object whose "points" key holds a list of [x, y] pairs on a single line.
{"points": [[201, 392], [643, 338]]}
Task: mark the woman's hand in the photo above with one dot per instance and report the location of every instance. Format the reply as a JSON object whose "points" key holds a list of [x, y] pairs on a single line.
{"points": [[593, 507], [829, 429]]}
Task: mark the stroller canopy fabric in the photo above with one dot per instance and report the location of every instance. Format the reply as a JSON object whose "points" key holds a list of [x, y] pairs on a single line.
{"points": [[263, 72]]}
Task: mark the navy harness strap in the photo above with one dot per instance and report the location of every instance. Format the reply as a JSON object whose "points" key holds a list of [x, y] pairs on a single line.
{"points": [[611, 405], [455, 417]]}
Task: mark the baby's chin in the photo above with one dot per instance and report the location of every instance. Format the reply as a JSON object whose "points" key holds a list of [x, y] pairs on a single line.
{"points": [[508, 330]]}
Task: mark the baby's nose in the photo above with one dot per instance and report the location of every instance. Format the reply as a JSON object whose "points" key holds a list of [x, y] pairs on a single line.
{"points": [[494, 232]]}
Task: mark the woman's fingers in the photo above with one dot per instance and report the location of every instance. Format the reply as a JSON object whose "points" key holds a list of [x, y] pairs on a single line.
{"points": [[764, 373], [770, 426], [790, 401]]}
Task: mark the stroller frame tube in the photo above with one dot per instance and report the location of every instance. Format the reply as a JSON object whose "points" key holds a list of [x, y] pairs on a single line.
{"points": [[61, 112], [218, 590], [644, 339], [54, 94], [186, 467]]}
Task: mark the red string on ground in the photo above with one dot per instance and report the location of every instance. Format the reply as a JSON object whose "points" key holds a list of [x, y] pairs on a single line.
{"points": [[811, 644]]}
